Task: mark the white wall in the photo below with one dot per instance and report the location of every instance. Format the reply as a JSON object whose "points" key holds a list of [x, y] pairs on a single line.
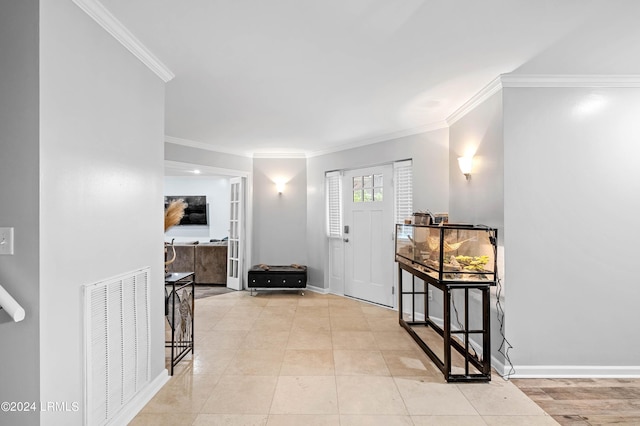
{"points": [[571, 200], [479, 133], [186, 154], [430, 154], [479, 200], [101, 171], [19, 158], [216, 189], [279, 221]]}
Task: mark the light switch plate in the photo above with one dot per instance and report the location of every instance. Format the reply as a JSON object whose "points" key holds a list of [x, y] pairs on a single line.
{"points": [[6, 240]]}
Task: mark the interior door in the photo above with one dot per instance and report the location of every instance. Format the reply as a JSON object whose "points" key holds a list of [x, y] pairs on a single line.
{"points": [[368, 234], [235, 249]]}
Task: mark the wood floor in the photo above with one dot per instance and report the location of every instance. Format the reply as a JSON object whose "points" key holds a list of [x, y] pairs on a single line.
{"points": [[577, 402]]}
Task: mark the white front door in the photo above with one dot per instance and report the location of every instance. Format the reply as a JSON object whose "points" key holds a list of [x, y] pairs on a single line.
{"points": [[235, 248], [368, 236]]}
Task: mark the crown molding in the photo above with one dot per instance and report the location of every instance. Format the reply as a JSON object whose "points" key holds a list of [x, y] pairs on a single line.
{"points": [[357, 143], [205, 146], [279, 155], [113, 26], [542, 80], [569, 80], [485, 93]]}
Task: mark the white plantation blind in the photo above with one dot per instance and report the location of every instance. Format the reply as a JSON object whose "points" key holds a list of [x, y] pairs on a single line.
{"points": [[403, 186], [333, 190]]}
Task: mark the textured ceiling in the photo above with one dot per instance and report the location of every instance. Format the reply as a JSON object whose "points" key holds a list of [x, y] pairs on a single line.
{"points": [[307, 76]]}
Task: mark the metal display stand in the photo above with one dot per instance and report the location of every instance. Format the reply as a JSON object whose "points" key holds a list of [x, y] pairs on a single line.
{"points": [[179, 289], [482, 365]]}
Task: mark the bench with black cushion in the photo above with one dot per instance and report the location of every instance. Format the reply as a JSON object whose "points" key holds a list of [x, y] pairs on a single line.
{"points": [[277, 277]]}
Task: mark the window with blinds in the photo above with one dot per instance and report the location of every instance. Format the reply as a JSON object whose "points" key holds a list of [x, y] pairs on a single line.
{"points": [[333, 191], [403, 188]]}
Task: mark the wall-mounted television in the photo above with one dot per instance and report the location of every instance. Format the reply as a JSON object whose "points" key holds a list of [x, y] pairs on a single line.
{"points": [[196, 211]]}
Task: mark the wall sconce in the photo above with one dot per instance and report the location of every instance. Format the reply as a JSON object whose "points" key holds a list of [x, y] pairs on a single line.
{"points": [[465, 164], [280, 187]]}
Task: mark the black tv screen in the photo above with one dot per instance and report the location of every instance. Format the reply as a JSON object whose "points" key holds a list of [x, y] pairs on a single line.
{"points": [[196, 211]]}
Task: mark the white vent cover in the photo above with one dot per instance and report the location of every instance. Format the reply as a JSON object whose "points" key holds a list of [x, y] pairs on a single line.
{"points": [[116, 346]]}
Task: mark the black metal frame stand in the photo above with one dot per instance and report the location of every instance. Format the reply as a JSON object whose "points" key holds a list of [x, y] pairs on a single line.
{"points": [[181, 343], [470, 359]]}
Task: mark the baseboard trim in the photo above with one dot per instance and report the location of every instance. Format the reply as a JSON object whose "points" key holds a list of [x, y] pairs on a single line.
{"points": [[317, 289], [138, 402], [575, 372]]}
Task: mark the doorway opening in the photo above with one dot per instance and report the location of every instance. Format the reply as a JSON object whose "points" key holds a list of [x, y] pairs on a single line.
{"points": [[228, 214]]}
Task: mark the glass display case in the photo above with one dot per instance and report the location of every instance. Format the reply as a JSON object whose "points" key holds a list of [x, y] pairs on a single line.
{"points": [[449, 252]]}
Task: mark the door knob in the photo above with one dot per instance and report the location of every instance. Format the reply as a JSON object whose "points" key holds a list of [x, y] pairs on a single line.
{"points": [[346, 240]]}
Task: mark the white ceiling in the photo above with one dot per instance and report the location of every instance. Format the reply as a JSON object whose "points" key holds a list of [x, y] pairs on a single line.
{"points": [[307, 76]]}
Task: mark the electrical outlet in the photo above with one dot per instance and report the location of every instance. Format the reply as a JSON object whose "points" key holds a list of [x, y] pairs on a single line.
{"points": [[430, 294], [6, 240]]}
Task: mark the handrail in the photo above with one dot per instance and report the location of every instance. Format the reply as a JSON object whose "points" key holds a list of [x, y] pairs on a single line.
{"points": [[10, 305]]}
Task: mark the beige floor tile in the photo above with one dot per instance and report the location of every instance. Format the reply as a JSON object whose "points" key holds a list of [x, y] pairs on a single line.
{"points": [[347, 302], [219, 339], [305, 395], [272, 323], [305, 339], [425, 398], [311, 323], [304, 419], [383, 324], [163, 419], [382, 420], [522, 421], [212, 361], [265, 339], [394, 340], [283, 300], [309, 362], [345, 311], [314, 300], [499, 398], [248, 300], [206, 321], [218, 304], [369, 395], [285, 310], [255, 362], [184, 366], [356, 362], [378, 311], [343, 323], [185, 393], [248, 311], [448, 420], [231, 420], [284, 359], [312, 311], [234, 323], [408, 363], [241, 395], [354, 340]]}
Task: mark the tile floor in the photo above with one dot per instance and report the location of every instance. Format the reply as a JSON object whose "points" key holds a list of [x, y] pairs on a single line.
{"points": [[286, 359]]}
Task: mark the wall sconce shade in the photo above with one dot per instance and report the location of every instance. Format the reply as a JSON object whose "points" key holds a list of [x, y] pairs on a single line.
{"points": [[280, 187], [465, 164]]}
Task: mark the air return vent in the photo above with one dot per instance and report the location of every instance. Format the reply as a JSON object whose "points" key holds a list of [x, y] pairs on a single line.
{"points": [[116, 344]]}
